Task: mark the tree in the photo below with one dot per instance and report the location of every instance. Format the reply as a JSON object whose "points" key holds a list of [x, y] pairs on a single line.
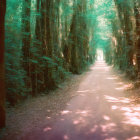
{"points": [[46, 41], [26, 39], [137, 16], [2, 73]]}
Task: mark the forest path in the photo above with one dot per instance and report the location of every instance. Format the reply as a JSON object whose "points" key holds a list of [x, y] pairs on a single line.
{"points": [[95, 108], [100, 111]]}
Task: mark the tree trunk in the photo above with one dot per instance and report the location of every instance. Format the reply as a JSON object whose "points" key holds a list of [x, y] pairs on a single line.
{"points": [[26, 38], [2, 73], [137, 15]]}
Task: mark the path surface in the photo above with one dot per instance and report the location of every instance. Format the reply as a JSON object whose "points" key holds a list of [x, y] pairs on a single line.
{"points": [[99, 111]]}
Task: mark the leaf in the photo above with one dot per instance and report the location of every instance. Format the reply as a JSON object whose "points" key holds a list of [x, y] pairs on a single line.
{"points": [[47, 58], [33, 61]]}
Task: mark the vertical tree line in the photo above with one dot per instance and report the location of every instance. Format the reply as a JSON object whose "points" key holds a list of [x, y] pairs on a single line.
{"points": [[126, 37], [137, 41], [46, 41]]}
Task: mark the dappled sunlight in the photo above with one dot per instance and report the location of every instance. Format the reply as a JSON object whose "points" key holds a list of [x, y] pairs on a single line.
{"points": [[80, 121], [108, 127], [111, 99], [81, 91], [47, 129], [132, 115], [66, 137], [117, 100], [134, 138], [114, 107], [48, 117], [107, 118], [65, 112], [124, 87], [92, 130], [119, 83], [124, 100], [112, 78], [106, 115], [83, 113], [129, 86], [126, 109], [100, 65], [132, 119], [120, 88], [76, 122], [112, 138]]}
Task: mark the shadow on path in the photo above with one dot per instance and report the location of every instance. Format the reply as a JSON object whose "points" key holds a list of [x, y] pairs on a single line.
{"points": [[99, 112]]}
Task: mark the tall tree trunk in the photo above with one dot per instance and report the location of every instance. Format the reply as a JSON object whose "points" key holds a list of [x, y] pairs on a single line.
{"points": [[26, 39], [2, 77], [137, 15]]}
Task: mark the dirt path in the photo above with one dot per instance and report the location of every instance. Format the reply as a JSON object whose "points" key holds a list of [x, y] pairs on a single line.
{"points": [[98, 111]]}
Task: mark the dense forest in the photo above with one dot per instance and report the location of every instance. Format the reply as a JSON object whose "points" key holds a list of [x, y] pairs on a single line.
{"points": [[48, 40]]}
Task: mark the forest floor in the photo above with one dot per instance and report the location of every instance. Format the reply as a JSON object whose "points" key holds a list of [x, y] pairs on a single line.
{"points": [[97, 105]]}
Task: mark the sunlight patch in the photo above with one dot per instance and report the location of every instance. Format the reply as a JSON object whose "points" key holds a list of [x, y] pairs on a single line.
{"points": [[114, 107], [125, 100], [115, 100], [132, 118], [76, 122], [79, 121], [124, 87], [65, 112], [134, 138], [108, 127], [92, 130], [119, 83], [84, 113], [48, 117], [106, 118], [120, 88], [66, 137], [113, 138], [112, 99], [81, 91], [112, 78], [47, 129], [126, 109]]}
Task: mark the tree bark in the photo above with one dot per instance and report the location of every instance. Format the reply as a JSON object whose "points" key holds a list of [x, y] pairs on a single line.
{"points": [[2, 71], [137, 16], [26, 39]]}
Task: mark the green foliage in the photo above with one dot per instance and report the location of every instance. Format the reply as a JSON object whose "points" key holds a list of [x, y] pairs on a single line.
{"points": [[14, 72], [48, 40]]}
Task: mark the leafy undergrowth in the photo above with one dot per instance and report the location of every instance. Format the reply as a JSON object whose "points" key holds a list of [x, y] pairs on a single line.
{"points": [[133, 92], [132, 87]]}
